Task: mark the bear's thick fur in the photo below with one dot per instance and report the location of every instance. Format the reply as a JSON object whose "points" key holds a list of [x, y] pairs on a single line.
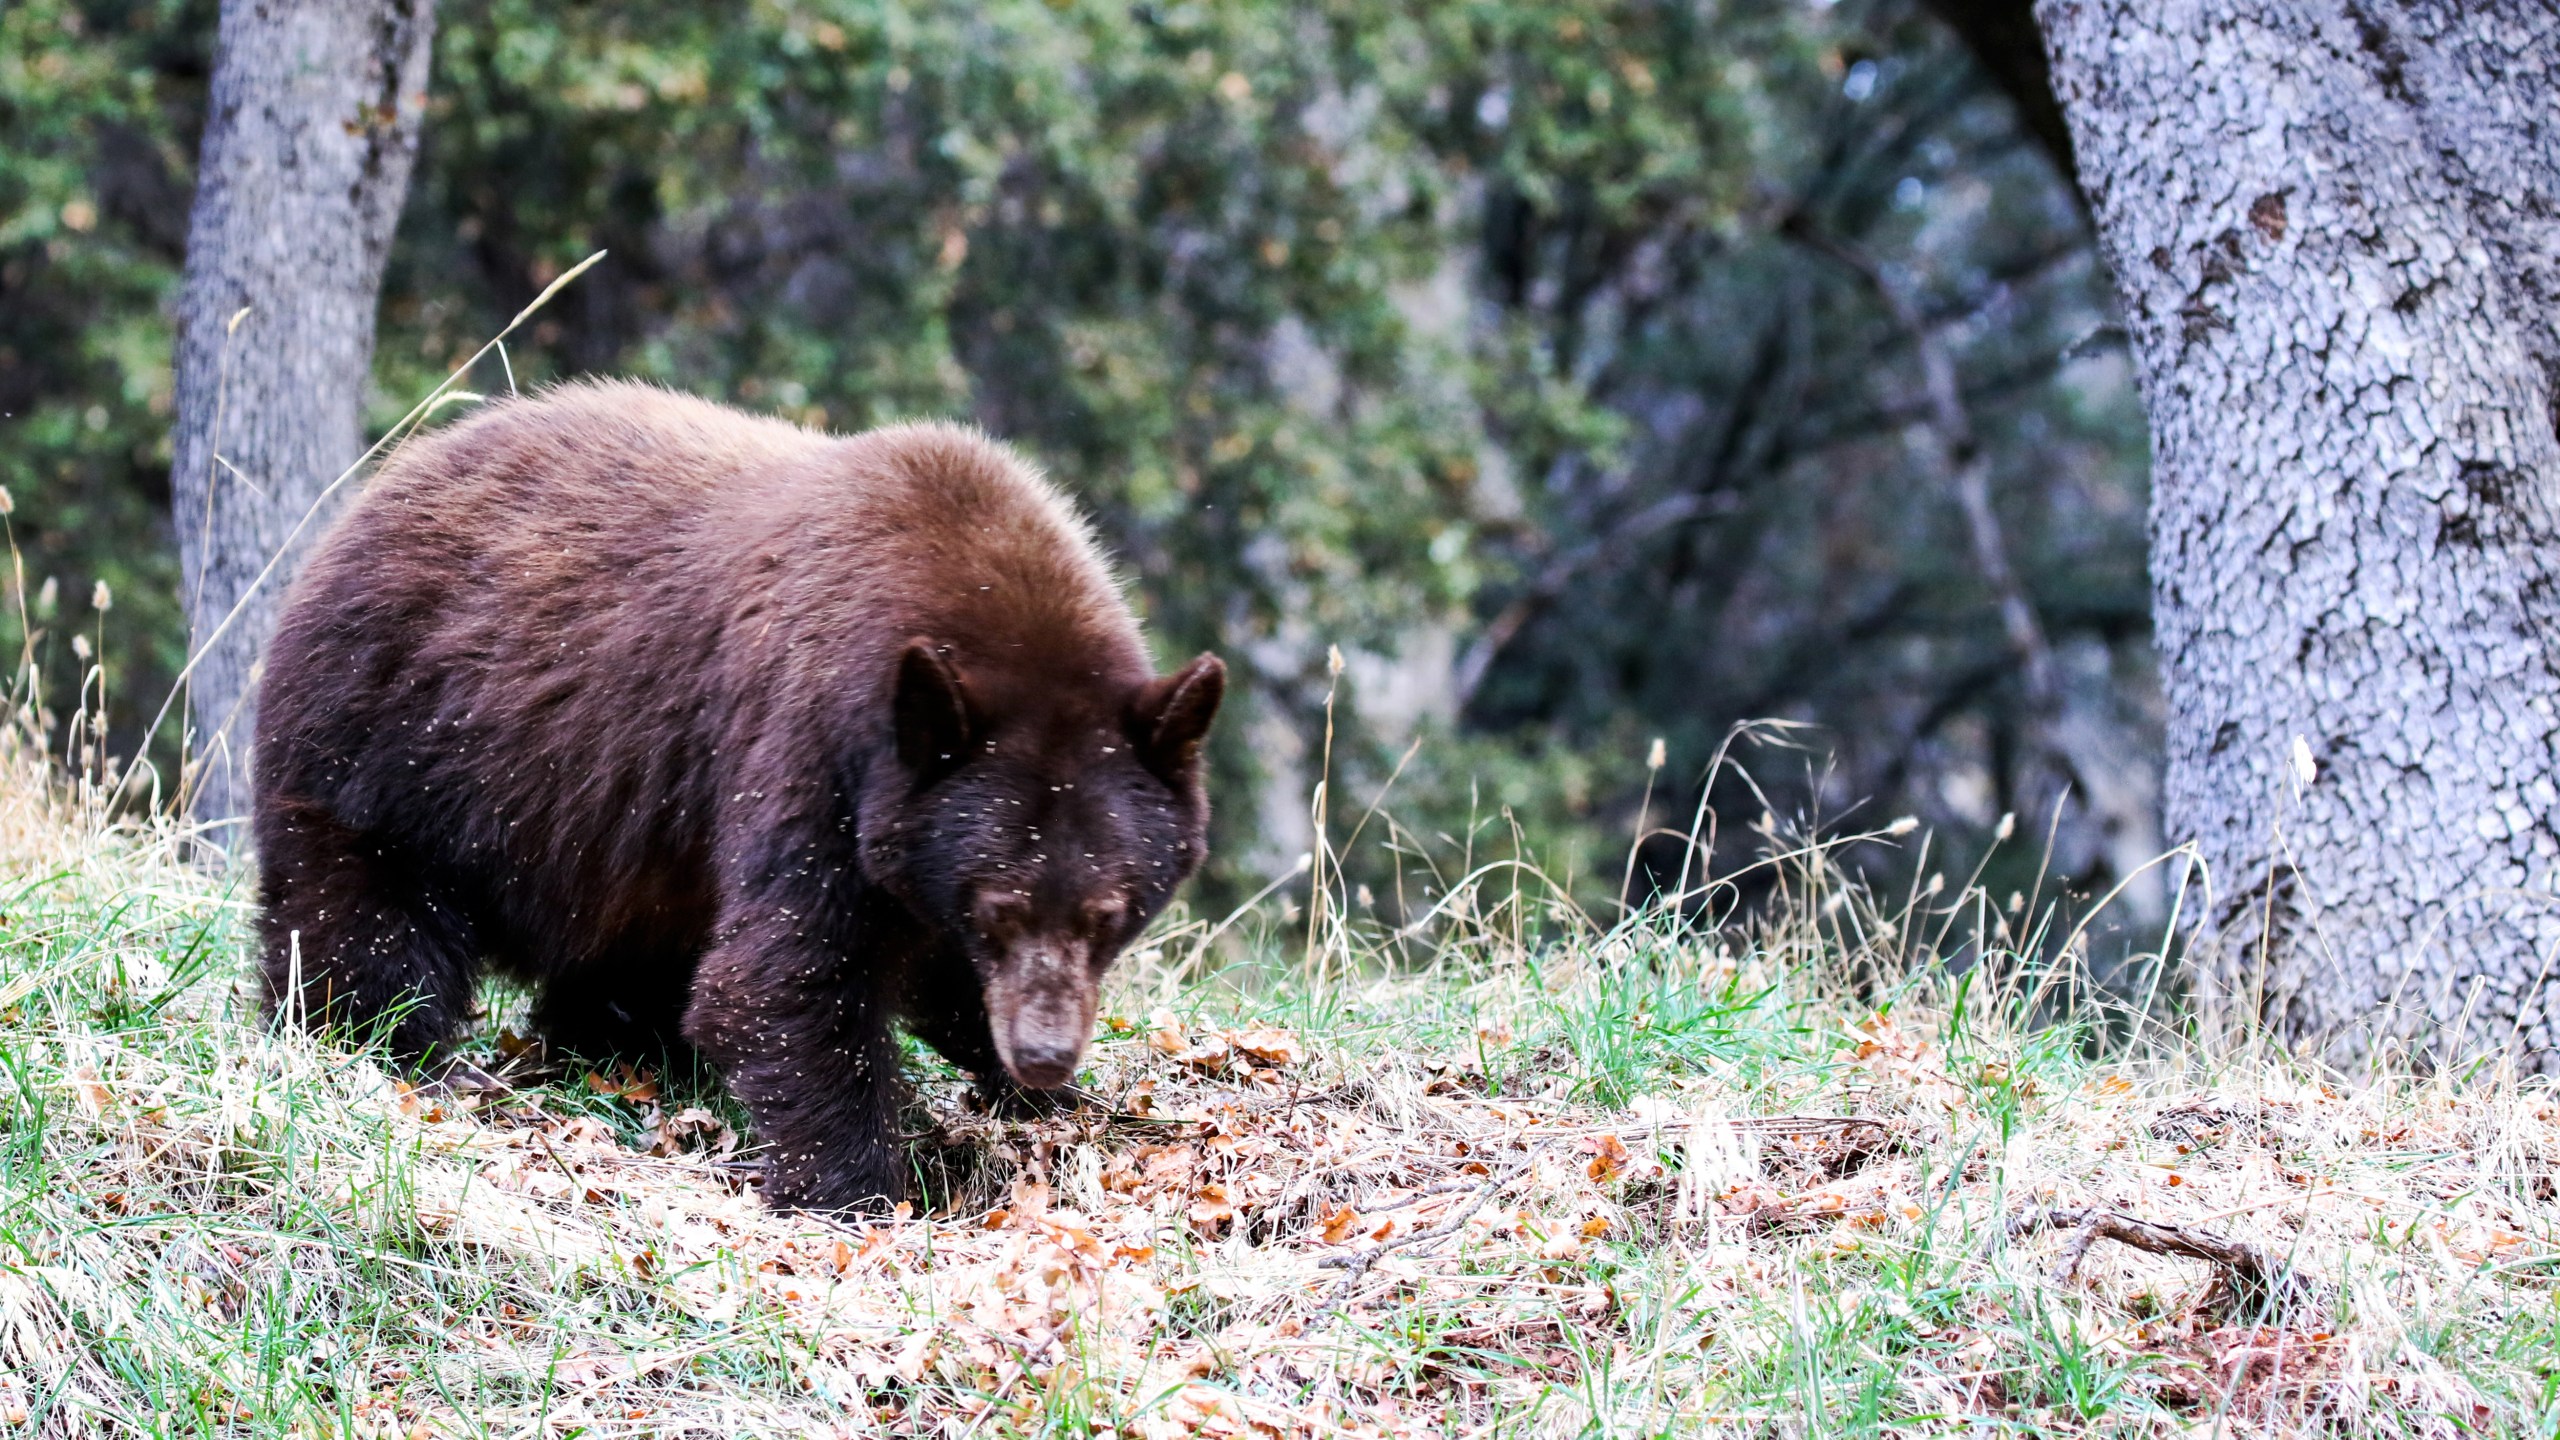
{"points": [[719, 730]]}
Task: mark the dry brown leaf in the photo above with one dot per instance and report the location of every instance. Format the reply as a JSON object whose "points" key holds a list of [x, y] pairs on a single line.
{"points": [[693, 1129], [630, 1084], [1213, 1208], [1268, 1044], [1166, 1166], [1168, 1036], [92, 1092], [1878, 1035], [1609, 1158]]}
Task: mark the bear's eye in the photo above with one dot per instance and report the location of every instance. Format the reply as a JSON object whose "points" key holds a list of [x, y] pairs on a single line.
{"points": [[1103, 915], [1001, 912]]}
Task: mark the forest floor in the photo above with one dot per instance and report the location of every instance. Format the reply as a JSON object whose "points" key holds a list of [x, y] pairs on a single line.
{"points": [[1783, 1181]]}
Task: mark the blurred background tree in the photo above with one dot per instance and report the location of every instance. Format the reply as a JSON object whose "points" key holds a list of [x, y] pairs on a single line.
{"points": [[1584, 372], [100, 107]]}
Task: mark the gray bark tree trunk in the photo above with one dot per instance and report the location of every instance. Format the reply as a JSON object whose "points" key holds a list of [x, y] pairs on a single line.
{"points": [[2336, 230], [310, 130]]}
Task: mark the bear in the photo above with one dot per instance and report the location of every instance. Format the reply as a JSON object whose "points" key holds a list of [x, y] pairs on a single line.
{"points": [[721, 732]]}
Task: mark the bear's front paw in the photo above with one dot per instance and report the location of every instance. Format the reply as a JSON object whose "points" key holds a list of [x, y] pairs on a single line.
{"points": [[849, 1189]]}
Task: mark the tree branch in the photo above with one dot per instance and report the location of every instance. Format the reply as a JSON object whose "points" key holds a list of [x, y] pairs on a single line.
{"points": [[1969, 470]]}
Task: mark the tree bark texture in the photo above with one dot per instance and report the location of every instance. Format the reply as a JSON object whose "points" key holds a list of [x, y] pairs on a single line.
{"points": [[309, 133], [2336, 231]]}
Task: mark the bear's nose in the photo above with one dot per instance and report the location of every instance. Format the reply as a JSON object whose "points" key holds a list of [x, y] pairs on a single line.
{"points": [[1042, 1066]]}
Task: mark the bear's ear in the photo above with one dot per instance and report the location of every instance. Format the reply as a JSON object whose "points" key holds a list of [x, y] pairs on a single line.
{"points": [[1170, 715], [931, 710]]}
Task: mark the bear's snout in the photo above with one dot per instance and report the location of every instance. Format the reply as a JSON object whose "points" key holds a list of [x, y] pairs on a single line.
{"points": [[1040, 1006], [1044, 1064]]}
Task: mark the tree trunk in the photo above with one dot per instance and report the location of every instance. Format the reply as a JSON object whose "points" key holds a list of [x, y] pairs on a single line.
{"points": [[308, 138], [2336, 229]]}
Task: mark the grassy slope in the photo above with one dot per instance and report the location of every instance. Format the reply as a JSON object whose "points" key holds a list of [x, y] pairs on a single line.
{"points": [[1533, 1186]]}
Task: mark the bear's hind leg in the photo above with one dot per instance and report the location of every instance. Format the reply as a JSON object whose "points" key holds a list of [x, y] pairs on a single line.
{"points": [[354, 938], [624, 1005]]}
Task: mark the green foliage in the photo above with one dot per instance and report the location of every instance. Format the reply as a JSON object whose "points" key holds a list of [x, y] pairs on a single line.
{"points": [[1776, 533], [1084, 225], [97, 116]]}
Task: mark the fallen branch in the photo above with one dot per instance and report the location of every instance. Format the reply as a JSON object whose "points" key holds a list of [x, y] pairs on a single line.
{"points": [[2254, 1275]]}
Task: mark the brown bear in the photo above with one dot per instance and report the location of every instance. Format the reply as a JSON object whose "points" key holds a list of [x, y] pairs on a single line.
{"points": [[718, 730]]}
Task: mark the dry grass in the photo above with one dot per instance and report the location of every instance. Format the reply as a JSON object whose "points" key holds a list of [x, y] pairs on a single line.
{"points": [[1539, 1177]]}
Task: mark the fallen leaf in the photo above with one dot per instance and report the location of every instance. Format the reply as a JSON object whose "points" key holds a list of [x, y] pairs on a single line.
{"points": [[1213, 1209], [693, 1129], [1169, 1037], [1269, 1045], [94, 1096], [627, 1083], [1609, 1158]]}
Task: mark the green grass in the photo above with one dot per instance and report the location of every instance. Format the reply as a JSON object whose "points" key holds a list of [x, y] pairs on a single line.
{"points": [[210, 1230]]}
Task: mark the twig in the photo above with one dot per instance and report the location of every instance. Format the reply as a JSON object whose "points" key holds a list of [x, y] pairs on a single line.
{"points": [[579, 1188], [2254, 1274], [1427, 1192], [2078, 1249], [1356, 1265]]}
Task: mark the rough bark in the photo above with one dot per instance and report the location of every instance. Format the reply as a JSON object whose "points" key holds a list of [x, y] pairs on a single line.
{"points": [[309, 133], [2335, 231]]}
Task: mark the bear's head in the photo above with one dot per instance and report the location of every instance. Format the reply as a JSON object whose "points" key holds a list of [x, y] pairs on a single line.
{"points": [[1043, 836]]}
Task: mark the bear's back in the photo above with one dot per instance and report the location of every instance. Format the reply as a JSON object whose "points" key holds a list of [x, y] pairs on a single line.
{"points": [[619, 497]]}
